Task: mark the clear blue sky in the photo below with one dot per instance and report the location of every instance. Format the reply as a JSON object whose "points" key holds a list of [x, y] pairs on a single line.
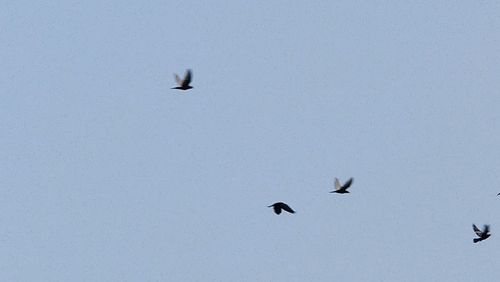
{"points": [[106, 174]]}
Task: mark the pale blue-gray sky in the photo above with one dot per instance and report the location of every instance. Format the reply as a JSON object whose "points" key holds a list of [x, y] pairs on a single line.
{"points": [[106, 174]]}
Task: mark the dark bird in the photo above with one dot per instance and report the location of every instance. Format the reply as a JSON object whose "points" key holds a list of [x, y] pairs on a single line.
{"points": [[281, 206], [498, 194], [483, 235], [342, 189], [184, 83]]}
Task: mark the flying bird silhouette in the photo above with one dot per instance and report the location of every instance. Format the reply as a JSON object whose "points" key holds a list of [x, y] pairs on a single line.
{"points": [[281, 206], [342, 189], [483, 235], [184, 83]]}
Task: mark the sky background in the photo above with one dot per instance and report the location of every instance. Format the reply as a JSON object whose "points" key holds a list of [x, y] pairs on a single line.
{"points": [[106, 174]]}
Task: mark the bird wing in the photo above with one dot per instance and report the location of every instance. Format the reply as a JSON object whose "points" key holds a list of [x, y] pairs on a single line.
{"points": [[337, 184], [277, 209], [187, 78], [476, 230], [486, 229], [287, 208], [348, 183], [178, 79]]}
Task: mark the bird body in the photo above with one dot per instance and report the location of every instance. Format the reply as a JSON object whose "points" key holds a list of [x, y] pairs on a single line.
{"points": [[483, 235], [281, 206], [342, 189], [184, 83]]}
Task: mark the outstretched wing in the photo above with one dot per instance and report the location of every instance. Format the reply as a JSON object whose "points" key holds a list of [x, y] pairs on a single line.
{"points": [[287, 208], [486, 229], [187, 78], [348, 183], [337, 184], [476, 230], [178, 79]]}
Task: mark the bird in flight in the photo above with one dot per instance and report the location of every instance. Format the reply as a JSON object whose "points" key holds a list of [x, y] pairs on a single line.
{"points": [[184, 83], [483, 235], [342, 189], [281, 206]]}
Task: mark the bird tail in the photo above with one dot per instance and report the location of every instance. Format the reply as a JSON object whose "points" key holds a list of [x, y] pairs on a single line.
{"points": [[476, 240]]}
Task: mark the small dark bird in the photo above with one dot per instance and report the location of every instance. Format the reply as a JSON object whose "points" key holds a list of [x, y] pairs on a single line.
{"points": [[342, 189], [483, 235], [281, 206], [498, 194], [184, 84]]}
